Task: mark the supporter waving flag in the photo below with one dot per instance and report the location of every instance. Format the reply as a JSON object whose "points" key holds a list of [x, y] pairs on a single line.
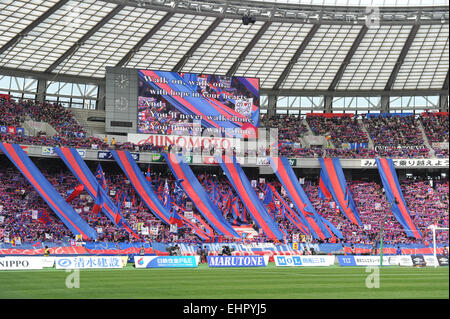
{"points": [[100, 175], [199, 197], [99, 202], [235, 211], [227, 205], [178, 191], [43, 217], [268, 198], [167, 202], [248, 196], [175, 219], [76, 191], [81, 171], [147, 176]]}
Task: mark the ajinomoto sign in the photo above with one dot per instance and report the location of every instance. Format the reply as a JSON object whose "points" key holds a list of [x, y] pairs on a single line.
{"points": [[184, 141]]}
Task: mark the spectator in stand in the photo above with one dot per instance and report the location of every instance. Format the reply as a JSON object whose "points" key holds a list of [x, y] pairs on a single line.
{"points": [[436, 127], [290, 127], [427, 205], [340, 129], [388, 133], [394, 131], [441, 153]]}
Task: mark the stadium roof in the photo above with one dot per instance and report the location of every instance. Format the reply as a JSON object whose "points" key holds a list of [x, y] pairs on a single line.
{"points": [[298, 46]]}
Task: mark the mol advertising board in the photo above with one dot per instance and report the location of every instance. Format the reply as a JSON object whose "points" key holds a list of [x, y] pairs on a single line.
{"points": [[166, 261], [303, 261]]}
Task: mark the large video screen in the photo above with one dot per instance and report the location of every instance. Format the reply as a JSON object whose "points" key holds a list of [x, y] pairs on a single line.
{"points": [[172, 102]]}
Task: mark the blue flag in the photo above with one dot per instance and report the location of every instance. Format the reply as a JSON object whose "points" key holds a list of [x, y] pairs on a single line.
{"points": [[100, 175], [167, 202]]}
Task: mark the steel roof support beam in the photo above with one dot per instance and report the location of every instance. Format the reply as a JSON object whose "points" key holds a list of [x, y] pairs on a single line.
{"points": [[264, 91], [443, 98], [348, 58], [272, 105], [351, 93], [248, 48], [401, 57], [32, 25], [445, 86], [144, 40], [296, 56], [295, 13], [51, 76], [80, 42], [195, 46]]}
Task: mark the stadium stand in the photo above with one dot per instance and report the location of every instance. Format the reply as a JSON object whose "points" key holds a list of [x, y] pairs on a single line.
{"points": [[27, 217], [390, 133], [330, 87]]}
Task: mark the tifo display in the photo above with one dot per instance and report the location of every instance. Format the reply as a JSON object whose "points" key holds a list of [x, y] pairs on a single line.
{"points": [[184, 206]]}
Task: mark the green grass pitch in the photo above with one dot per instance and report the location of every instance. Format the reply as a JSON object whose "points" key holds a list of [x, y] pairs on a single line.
{"points": [[228, 283]]}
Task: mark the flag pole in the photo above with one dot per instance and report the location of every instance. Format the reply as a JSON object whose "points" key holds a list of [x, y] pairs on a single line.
{"points": [[382, 231], [381, 250]]}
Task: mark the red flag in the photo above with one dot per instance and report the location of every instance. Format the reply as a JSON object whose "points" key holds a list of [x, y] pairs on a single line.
{"points": [[96, 209], [77, 191], [175, 219]]}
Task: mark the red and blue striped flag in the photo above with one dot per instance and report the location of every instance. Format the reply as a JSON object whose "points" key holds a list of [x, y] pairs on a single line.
{"points": [[175, 219], [100, 175]]}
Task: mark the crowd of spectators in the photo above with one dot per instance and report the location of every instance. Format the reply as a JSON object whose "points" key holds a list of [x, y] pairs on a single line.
{"points": [[436, 127], [441, 152], [394, 136], [59, 117], [394, 130], [290, 151], [290, 128], [55, 141], [18, 200], [12, 114], [428, 204], [339, 129]]}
